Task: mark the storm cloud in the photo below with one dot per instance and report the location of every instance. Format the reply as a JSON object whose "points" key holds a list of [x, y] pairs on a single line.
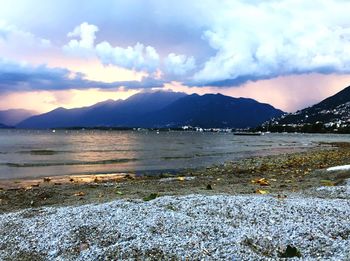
{"points": [[261, 40], [198, 43], [24, 77]]}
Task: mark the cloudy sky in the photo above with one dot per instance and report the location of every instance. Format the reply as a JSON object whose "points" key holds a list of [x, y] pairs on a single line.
{"points": [[289, 53]]}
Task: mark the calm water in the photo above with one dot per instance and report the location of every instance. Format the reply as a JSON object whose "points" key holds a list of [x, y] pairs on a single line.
{"points": [[26, 153]]}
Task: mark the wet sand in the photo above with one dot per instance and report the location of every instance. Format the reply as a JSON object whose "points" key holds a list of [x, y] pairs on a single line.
{"points": [[259, 175]]}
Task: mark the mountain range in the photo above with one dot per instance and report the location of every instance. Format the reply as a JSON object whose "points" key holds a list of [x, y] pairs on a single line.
{"points": [[160, 109], [14, 116], [333, 113]]}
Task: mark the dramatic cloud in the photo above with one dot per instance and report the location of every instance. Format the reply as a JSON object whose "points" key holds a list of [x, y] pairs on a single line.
{"points": [[22, 76], [207, 44], [260, 40], [138, 58], [86, 35], [179, 64], [250, 40]]}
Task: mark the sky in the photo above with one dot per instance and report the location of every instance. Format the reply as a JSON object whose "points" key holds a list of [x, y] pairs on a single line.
{"points": [[63, 53]]}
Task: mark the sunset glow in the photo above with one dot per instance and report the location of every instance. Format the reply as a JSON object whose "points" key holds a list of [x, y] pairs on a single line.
{"points": [[77, 60]]}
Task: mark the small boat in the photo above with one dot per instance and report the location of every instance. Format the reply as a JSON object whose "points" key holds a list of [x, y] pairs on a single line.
{"points": [[248, 133]]}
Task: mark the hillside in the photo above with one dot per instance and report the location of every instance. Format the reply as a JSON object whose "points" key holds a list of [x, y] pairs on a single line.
{"points": [[14, 116], [331, 114], [212, 110], [160, 109], [107, 113]]}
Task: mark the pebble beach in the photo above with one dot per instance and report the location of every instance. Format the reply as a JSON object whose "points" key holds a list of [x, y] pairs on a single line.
{"points": [[196, 227]]}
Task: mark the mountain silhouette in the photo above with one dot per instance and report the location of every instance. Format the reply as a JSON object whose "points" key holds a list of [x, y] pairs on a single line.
{"points": [[14, 116], [160, 109], [211, 110]]}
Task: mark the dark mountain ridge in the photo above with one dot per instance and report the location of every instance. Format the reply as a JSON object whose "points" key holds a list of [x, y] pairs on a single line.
{"points": [[212, 110], [160, 109], [108, 113], [3, 126]]}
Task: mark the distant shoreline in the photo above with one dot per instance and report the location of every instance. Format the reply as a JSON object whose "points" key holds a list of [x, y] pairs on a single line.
{"points": [[277, 129]]}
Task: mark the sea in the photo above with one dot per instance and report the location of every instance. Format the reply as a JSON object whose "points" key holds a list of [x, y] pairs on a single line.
{"points": [[36, 153]]}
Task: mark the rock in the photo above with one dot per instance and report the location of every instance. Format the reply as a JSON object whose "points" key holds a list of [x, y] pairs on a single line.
{"points": [[47, 179], [150, 197], [290, 252], [209, 187]]}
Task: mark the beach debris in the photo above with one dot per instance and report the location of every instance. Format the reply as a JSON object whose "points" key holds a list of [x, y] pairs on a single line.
{"points": [[261, 182], [261, 191], [177, 179], [290, 252], [47, 179], [118, 192], [281, 196], [79, 194], [71, 180], [14, 189], [128, 176], [83, 246], [189, 178], [249, 242], [150, 197], [327, 183], [165, 175], [171, 207], [206, 252], [337, 168], [209, 187]]}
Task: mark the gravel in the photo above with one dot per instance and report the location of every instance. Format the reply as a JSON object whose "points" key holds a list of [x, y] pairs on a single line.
{"points": [[220, 227]]}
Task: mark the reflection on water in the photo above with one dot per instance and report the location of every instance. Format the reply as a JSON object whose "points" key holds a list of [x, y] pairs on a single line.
{"points": [[25, 153]]}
